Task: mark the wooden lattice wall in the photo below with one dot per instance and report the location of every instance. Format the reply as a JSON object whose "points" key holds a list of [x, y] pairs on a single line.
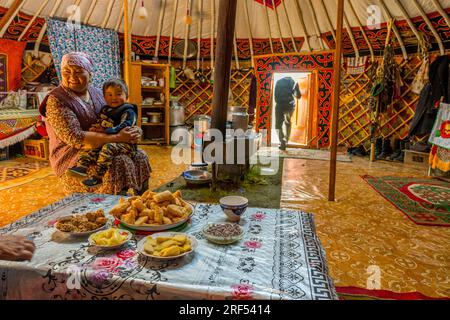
{"points": [[355, 116], [197, 96], [354, 119]]}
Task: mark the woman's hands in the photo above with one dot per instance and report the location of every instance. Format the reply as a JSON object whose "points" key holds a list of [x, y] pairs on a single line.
{"points": [[14, 248], [130, 135]]}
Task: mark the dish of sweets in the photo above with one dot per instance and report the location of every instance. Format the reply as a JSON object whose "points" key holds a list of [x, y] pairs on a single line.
{"points": [[223, 233], [82, 225], [153, 211], [167, 245], [110, 239]]}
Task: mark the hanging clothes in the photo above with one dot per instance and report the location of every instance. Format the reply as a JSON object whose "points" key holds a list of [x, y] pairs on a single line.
{"points": [[432, 94], [101, 44]]}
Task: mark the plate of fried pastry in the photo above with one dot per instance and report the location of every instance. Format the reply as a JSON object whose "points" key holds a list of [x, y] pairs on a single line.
{"points": [[82, 225], [153, 211]]}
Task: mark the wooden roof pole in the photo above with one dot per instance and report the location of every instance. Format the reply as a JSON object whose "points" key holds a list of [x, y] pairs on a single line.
{"points": [[302, 25], [213, 31], [327, 15], [119, 21], [388, 16], [108, 13], [32, 20], [432, 28], [290, 27], [350, 34], [316, 24], [372, 53], [10, 15], [225, 33], [441, 11], [336, 90], [172, 32], [410, 23], [90, 11], [236, 54], [44, 27], [279, 28], [127, 42], [199, 33], [162, 13], [250, 38], [186, 37], [268, 25]]}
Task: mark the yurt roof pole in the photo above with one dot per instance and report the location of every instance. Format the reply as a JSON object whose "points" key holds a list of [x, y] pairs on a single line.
{"points": [[316, 24], [430, 25], [162, 13], [199, 33], [336, 90], [279, 28], [44, 27], [236, 54], [108, 13], [10, 15], [410, 23], [352, 9], [350, 34], [290, 27], [250, 38], [442, 12], [302, 24], [224, 52], [388, 16], [186, 34], [32, 20], [268, 25], [213, 30], [127, 42], [327, 15], [90, 11], [172, 32]]}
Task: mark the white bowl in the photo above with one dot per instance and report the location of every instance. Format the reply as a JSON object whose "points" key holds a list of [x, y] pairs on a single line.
{"points": [[234, 207]]}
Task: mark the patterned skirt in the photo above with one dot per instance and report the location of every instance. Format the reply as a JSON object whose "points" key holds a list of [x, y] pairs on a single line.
{"points": [[125, 173]]}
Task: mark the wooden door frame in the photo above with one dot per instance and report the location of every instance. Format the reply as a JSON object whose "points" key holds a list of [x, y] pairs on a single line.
{"points": [[313, 107]]}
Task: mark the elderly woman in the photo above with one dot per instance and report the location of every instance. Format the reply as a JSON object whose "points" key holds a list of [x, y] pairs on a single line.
{"points": [[69, 111]]}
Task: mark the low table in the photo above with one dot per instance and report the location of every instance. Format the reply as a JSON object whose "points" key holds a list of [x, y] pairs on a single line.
{"points": [[280, 257]]}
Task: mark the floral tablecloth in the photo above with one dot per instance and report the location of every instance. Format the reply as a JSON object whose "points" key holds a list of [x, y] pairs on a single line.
{"points": [[280, 257]]}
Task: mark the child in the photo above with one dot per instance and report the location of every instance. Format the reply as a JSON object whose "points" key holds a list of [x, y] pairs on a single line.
{"points": [[113, 118]]}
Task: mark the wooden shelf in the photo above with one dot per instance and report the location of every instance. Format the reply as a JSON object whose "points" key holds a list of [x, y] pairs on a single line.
{"points": [[153, 107], [157, 89], [153, 124]]}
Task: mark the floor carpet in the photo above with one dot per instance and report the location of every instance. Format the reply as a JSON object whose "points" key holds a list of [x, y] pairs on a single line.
{"points": [[298, 153], [424, 201]]}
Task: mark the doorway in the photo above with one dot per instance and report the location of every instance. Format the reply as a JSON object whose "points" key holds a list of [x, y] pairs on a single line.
{"points": [[301, 122]]}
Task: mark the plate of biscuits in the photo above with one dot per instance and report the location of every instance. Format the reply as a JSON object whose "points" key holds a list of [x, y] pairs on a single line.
{"points": [[82, 225], [153, 212]]}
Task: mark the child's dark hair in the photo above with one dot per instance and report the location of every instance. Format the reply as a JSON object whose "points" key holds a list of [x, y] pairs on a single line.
{"points": [[115, 83]]}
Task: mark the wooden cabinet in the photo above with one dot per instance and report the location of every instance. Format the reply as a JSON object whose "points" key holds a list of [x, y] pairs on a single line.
{"points": [[155, 131]]}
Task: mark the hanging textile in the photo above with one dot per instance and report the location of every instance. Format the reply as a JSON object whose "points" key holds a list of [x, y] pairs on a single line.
{"points": [[11, 55], [440, 135], [101, 44], [356, 66]]}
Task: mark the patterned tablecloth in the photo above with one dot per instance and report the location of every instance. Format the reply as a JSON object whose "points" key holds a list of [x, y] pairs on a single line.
{"points": [[280, 257]]}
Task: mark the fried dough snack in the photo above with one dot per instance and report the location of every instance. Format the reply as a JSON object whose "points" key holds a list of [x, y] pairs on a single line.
{"points": [[167, 246], [152, 209], [83, 223]]}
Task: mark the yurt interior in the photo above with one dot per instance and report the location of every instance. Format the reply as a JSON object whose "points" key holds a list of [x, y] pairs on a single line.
{"points": [[225, 149]]}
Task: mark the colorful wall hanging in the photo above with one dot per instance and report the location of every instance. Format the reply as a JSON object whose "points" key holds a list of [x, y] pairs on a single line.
{"points": [[11, 55], [101, 44]]}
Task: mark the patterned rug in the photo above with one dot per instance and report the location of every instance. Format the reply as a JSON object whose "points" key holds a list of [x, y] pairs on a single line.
{"points": [[297, 153], [11, 170], [353, 293], [424, 201]]}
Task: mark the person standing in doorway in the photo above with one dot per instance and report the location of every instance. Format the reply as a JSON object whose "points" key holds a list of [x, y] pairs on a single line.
{"points": [[287, 91]]}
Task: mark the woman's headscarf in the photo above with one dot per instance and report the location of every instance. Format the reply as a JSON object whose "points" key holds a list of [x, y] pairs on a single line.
{"points": [[79, 59]]}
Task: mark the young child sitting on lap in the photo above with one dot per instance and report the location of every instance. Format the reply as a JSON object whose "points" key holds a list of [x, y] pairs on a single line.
{"points": [[113, 118]]}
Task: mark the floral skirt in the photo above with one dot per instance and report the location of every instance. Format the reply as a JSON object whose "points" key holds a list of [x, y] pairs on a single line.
{"points": [[124, 174]]}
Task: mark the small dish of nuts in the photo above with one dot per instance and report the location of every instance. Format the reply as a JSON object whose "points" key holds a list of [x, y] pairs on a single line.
{"points": [[223, 233]]}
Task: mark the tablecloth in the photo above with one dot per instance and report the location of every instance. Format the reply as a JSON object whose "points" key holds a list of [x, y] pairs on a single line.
{"points": [[279, 258]]}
